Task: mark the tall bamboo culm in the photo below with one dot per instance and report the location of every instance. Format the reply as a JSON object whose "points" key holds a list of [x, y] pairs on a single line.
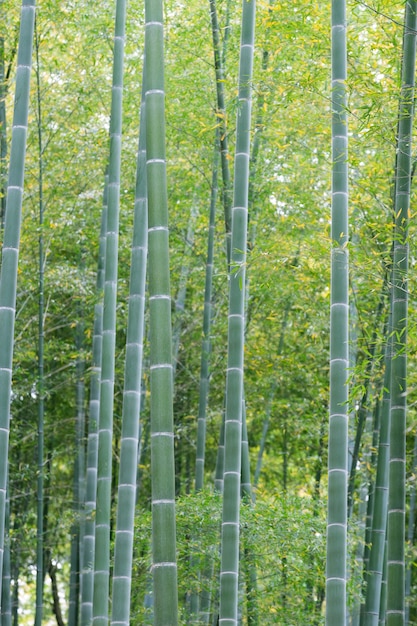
{"points": [[105, 432], [395, 612], [339, 336], [229, 570], [40, 575], [164, 566], [379, 518], [3, 128], [219, 60], [11, 240], [125, 517], [206, 342], [88, 534]]}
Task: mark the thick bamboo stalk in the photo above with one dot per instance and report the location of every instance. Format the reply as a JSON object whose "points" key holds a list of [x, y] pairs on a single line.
{"points": [[395, 613], [126, 500], [339, 348], [105, 432], [229, 570], [164, 568]]}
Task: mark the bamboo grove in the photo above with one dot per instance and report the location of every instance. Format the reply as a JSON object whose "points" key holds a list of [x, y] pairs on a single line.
{"points": [[207, 313]]}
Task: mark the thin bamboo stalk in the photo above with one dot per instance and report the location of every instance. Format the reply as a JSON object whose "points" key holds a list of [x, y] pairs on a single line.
{"points": [[206, 343], [3, 127], [379, 518], [40, 575], [6, 598], [219, 61], [88, 536], [10, 254]]}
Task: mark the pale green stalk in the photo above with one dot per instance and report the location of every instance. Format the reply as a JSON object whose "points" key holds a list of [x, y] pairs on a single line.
{"points": [[383, 600], [219, 61], [40, 575], [395, 613], [6, 598], [202, 601], [88, 535], [123, 551], [182, 288], [229, 571], [164, 566], [362, 412], [105, 433], [259, 126], [3, 127], [10, 254], [410, 536], [247, 495], [77, 529], [339, 348], [218, 479], [245, 485], [379, 518], [206, 343]]}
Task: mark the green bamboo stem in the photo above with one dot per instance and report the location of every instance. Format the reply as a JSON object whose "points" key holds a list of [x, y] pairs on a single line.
{"points": [[227, 29], [339, 341], [77, 529], [3, 127], [125, 517], [236, 330], [88, 535], [10, 254], [379, 518], [40, 575], [248, 496], [6, 598], [370, 459], [218, 478], [383, 601], [182, 288], [395, 613], [203, 599], [410, 536], [164, 568], [206, 342], [16, 562], [245, 483], [74, 580], [257, 137], [219, 61], [105, 433], [362, 411]]}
